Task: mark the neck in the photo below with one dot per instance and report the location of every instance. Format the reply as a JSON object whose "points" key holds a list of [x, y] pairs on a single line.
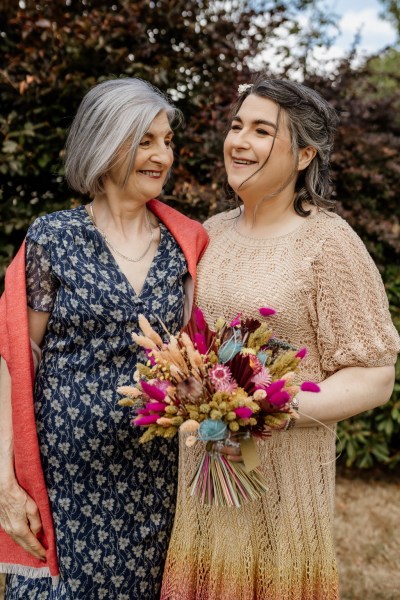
{"points": [[272, 216], [120, 215]]}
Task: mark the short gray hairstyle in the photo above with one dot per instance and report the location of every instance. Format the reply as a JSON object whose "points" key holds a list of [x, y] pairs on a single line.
{"points": [[312, 121], [111, 114]]}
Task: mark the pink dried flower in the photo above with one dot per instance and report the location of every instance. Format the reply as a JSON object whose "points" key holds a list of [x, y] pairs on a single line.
{"points": [[266, 311], [156, 392], [220, 376], [200, 320], [279, 399], [243, 412], [156, 406], [200, 341], [262, 378], [301, 353], [276, 386], [229, 387], [236, 321], [145, 420], [310, 386]]}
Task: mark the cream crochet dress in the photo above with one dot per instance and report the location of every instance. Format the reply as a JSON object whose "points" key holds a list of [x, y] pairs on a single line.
{"points": [[329, 297]]}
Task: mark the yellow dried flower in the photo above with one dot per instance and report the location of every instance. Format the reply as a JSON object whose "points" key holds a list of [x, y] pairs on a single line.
{"points": [[204, 408], [212, 358], [259, 337], [170, 432], [230, 416], [144, 371], [215, 415], [126, 402], [276, 420], [171, 409], [149, 434], [219, 323], [234, 426], [283, 364]]}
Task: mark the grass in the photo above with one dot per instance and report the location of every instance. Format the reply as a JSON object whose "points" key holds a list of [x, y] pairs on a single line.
{"points": [[367, 535]]}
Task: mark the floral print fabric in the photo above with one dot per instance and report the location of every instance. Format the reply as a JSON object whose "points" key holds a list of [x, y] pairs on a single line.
{"points": [[112, 499]]}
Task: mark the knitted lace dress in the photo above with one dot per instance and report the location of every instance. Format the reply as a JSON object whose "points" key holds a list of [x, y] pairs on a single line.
{"points": [[329, 297]]}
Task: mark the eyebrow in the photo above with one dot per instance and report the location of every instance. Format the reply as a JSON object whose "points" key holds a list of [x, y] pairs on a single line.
{"points": [[257, 122], [151, 135]]}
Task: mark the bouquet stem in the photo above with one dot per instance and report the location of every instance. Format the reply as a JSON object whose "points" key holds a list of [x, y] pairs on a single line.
{"points": [[220, 482]]}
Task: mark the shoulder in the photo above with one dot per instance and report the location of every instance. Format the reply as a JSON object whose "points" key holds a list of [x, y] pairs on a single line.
{"points": [[336, 247], [48, 227], [176, 222], [329, 230], [219, 221]]}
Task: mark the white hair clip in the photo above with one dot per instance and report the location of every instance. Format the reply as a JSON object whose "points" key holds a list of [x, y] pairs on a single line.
{"points": [[243, 87]]}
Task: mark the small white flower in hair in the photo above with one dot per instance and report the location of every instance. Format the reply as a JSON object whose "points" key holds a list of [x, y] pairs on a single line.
{"points": [[243, 87]]}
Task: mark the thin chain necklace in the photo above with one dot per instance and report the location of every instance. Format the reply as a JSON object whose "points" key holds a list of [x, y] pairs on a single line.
{"points": [[134, 260]]}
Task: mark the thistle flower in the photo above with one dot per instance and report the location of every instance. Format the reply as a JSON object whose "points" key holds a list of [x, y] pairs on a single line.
{"points": [[189, 391]]}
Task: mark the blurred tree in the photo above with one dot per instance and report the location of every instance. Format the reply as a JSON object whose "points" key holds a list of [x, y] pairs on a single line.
{"points": [[391, 12], [52, 52]]}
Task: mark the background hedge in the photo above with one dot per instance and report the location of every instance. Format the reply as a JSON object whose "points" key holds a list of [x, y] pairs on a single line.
{"points": [[197, 52]]}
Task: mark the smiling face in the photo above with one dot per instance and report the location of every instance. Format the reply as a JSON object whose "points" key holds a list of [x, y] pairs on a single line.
{"points": [[154, 158], [259, 133]]}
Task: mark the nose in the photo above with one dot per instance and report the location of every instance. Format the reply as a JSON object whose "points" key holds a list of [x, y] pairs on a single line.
{"points": [[162, 155], [240, 140]]}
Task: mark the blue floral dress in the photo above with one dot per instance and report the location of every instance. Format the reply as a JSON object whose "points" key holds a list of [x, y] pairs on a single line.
{"points": [[112, 498]]}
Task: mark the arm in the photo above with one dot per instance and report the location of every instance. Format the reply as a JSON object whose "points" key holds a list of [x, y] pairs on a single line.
{"points": [[19, 515], [346, 393]]}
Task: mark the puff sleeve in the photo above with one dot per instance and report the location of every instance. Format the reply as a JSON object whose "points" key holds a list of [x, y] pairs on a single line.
{"points": [[354, 327]]}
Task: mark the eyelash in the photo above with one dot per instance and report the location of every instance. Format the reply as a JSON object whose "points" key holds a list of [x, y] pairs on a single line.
{"points": [[146, 143], [259, 131]]}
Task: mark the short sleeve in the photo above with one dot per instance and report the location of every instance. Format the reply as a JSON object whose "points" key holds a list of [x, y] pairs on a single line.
{"points": [[353, 318], [41, 284]]}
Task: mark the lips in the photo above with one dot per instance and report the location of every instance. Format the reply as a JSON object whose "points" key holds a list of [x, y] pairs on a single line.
{"points": [[153, 174], [242, 162]]}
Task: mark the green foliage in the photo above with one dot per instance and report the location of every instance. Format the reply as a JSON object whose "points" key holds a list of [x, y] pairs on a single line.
{"points": [[374, 437]]}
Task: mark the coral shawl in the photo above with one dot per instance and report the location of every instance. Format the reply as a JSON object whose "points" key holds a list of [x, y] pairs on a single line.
{"points": [[16, 351]]}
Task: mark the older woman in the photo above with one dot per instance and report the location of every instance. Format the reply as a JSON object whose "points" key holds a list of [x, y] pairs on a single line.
{"points": [[285, 250], [90, 272]]}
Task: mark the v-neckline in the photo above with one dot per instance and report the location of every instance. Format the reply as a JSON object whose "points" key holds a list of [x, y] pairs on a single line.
{"points": [[120, 271]]}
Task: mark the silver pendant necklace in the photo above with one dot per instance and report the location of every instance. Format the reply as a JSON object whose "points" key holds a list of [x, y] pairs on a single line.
{"points": [[134, 260]]}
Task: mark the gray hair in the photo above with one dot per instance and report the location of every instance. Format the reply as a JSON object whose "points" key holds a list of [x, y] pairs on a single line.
{"points": [[112, 114], [312, 121]]}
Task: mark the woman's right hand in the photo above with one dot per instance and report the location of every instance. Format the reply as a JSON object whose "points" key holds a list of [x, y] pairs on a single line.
{"points": [[20, 519]]}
